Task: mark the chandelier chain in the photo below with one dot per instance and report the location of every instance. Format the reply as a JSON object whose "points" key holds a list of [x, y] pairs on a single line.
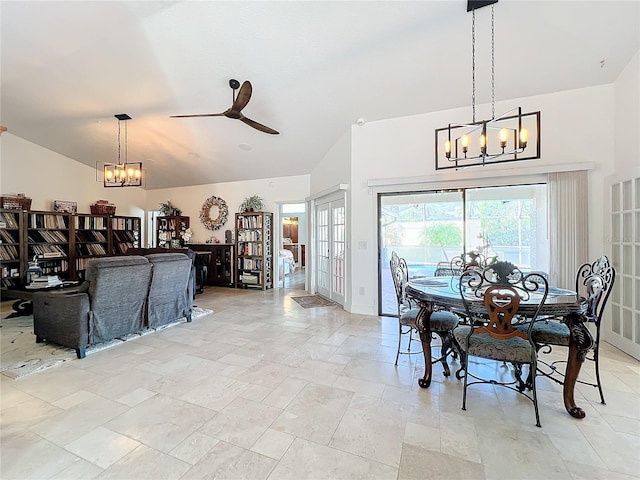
{"points": [[119, 162], [493, 68], [473, 65]]}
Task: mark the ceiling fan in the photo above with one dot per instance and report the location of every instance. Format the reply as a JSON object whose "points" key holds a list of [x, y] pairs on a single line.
{"points": [[239, 102]]}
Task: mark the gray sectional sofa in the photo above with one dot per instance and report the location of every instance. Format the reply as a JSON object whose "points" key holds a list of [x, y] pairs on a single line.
{"points": [[121, 296]]}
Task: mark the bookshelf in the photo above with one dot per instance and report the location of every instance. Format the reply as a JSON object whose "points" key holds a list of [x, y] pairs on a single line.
{"points": [[63, 242], [11, 248], [91, 239], [169, 230], [48, 237], [125, 234], [254, 250]]}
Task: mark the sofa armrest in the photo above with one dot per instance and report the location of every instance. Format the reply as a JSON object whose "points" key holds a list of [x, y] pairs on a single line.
{"points": [[62, 318]]}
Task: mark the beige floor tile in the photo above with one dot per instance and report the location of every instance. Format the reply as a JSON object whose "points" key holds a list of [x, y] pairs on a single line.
{"points": [[161, 422], [315, 413], [73, 399], [229, 462], [612, 448], [136, 396], [285, 392], [194, 447], [77, 421], [241, 422], [80, 469], [273, 444], [419, 463], [28, 456], [102, 447], [371, 434], [311, 461], [251, 374], [145, 463]]}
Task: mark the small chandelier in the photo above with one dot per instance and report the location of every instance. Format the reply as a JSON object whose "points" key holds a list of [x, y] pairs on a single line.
{"points": [[500, 139], [123, 174]]}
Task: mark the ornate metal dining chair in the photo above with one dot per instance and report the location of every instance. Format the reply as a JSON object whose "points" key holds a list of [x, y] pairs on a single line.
{"points": [[493, 298], [441, 323], [594, 282]]}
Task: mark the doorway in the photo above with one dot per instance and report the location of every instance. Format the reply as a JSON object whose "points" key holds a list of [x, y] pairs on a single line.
{"points": [[331, 249], [292, 246]]}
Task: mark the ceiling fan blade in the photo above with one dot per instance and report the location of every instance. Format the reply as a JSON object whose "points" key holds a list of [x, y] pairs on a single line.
{"points": [[258, 126], [244, 95], [199, 115]]}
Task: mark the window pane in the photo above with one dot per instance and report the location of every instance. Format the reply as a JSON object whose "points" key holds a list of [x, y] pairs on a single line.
{"points": [[425, 228], [509, 223]]}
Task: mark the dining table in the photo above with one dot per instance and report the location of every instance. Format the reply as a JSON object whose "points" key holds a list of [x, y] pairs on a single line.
{"points": [[442, 293]]}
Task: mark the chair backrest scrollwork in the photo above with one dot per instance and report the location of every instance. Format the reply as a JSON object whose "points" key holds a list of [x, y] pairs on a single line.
{"points": [[400, 275], [501, 287], [594, 282]]}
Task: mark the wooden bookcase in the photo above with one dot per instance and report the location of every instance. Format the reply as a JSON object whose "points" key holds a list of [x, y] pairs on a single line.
{"points": [[125, 234], [50, 237], [169, 230], [12, 253], [91, 239], [63, 242], [254, 250]]}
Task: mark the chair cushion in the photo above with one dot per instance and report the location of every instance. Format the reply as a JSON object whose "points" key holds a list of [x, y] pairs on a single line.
{"points": [[515, 349], [441, 321], [550, 332], [408, 317]]}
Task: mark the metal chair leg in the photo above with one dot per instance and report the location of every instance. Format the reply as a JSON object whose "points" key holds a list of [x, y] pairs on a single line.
{"points": [[399, 341]]}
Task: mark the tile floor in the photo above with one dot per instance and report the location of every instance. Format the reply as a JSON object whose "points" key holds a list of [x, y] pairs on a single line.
{"points": [[264, 389]]}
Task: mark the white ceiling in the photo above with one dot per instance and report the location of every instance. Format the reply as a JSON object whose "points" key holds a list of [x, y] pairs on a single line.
{"points": [[316, 66]]}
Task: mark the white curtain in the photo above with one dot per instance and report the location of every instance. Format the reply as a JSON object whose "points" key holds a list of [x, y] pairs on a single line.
{"points": [[568, 226]]}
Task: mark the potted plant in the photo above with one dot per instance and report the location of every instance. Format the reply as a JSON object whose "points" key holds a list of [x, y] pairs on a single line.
{"points": [[251, 204], [167, 209]]}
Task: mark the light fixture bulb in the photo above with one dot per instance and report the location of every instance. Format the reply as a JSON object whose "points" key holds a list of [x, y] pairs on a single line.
{"points": [[503, 137], [524, 137]]}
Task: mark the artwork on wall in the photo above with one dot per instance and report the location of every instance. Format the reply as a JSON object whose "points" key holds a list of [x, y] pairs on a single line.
{"points": [[214, 220], [65, 206]]}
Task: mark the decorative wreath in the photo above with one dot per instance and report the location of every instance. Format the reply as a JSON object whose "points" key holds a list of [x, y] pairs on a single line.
{"points": [[223, 211]]}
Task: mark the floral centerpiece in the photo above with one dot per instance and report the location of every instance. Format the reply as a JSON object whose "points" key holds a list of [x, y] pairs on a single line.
{"points": [[186, 235]]}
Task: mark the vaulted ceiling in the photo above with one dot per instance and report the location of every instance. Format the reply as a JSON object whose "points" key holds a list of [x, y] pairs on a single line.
{"points": [[316, 67]]}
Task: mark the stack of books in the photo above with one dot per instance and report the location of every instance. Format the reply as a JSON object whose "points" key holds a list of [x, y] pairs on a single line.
{"points": [[47, 281]]}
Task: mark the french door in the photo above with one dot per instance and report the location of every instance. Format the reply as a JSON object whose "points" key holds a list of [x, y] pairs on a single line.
{"points": [[622, 328], [331, 250]]}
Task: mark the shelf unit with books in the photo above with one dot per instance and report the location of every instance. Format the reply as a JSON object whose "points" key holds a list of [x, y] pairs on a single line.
{"points": [[125, 234], [48, 238], [90, 239], [169, 231], [11, 248], [254, 250]]}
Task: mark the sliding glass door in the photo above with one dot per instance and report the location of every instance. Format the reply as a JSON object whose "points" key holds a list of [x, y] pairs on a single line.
{"points": [[427, 228]]}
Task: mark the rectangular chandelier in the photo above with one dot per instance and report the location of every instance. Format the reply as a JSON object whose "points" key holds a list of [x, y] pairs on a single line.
{"points": [[510, 137], [506, 138], [123, 174]]}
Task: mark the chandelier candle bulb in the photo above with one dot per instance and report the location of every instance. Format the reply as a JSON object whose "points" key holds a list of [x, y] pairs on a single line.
{"points": [[447, 148], [503, 137], [524, 137], [465, 144]]}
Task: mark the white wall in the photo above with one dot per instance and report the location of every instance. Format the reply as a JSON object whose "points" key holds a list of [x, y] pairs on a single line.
{"points": [[576, 127], [627, 116], [335, 166], [46, 176], [190, 199]]}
